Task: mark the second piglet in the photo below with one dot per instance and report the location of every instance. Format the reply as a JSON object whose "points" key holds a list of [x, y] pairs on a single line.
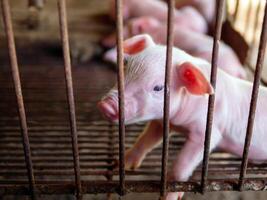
{"points": [[196, 44], [187, 16], [189, 90]]}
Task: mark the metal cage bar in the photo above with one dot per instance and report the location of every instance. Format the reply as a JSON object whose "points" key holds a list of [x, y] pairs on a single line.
{"points": [[70, 94], [19, 96], [254, 98], [36, 3], [120, 76], [166, 121], [237, 5], [254, 39], [213, 75], [256, 24], [247, 19], [162, 186]]}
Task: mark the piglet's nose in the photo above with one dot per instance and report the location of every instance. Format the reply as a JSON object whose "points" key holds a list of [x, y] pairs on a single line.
{"points": [[108, 109]]}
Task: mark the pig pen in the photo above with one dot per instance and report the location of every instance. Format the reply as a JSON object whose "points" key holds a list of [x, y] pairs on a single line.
{"points": [[64, 147]]}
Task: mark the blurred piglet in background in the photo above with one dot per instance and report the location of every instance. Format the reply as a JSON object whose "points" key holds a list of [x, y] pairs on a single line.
{"points": [[189, 90], [207, 8], [187, 16], [196, 44]]}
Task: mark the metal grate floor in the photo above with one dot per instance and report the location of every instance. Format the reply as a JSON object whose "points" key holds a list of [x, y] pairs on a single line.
{"points": [[44, 93]]}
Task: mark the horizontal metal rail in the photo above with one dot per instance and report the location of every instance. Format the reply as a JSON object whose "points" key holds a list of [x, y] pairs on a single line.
{"points": [[93, 187]]}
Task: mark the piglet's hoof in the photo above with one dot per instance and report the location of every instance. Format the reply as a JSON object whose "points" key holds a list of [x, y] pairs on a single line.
{"points": [[116, 165], [132, 161]]}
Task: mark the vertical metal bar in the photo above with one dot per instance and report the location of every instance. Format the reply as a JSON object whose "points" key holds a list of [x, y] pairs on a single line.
{"points": [[166, 124], [70, 95], [120, 75], [254, 37], [254, 98], [237, 5], [213, 76], [256, 22], [19, 96], [227, 9], [36, 3], [247, 20]]}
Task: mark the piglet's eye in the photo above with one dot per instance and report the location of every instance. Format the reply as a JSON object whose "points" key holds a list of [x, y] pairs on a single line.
{"points": [[158, 88]]}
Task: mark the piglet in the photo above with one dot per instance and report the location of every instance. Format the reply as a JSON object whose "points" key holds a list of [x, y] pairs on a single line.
{"points": [[207, 8], [189, 90], [187, 16], [196, 44]]}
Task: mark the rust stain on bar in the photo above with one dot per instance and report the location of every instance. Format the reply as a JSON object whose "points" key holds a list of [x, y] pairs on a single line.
{"points": [[213, 75], [120, 75], [19, 96], [254, 98], [166, 126], [70, 95]]}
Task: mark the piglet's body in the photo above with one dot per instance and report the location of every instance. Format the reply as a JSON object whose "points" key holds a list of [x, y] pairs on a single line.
{"points": [[206, 7], [189, 89], [187, 16], [196, 44]]}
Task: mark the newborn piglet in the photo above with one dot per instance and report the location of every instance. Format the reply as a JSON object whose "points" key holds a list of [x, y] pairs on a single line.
{"points": [[189, 90]]}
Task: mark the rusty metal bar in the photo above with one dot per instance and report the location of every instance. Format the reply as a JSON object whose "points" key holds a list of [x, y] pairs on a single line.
{"points": [[93, 187], [213, 76], [70, 95], [254, 40], [166, 121], [120, 77], [19, 96], [256, 23], [227, 7], [254, 98], [247, 19], [65, 174], [36, 3], [237, 5], [92, 165]]}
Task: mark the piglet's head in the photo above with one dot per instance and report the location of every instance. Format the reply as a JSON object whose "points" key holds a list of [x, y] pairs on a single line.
{"points": [[144, 82]]}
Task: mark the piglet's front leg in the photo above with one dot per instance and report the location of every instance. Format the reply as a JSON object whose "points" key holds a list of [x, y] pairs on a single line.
{"points": [[149, 139], [189, 158]]}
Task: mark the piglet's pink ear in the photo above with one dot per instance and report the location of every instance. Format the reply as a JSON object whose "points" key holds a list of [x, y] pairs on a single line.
{"points": [[193, 79], [137, 44]]}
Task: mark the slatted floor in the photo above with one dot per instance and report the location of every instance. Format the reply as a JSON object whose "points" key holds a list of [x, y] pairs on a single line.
{"points": [[45, 101]]}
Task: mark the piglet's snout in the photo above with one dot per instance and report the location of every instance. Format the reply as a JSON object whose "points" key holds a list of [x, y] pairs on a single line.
{"points": [[108, 107]]}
